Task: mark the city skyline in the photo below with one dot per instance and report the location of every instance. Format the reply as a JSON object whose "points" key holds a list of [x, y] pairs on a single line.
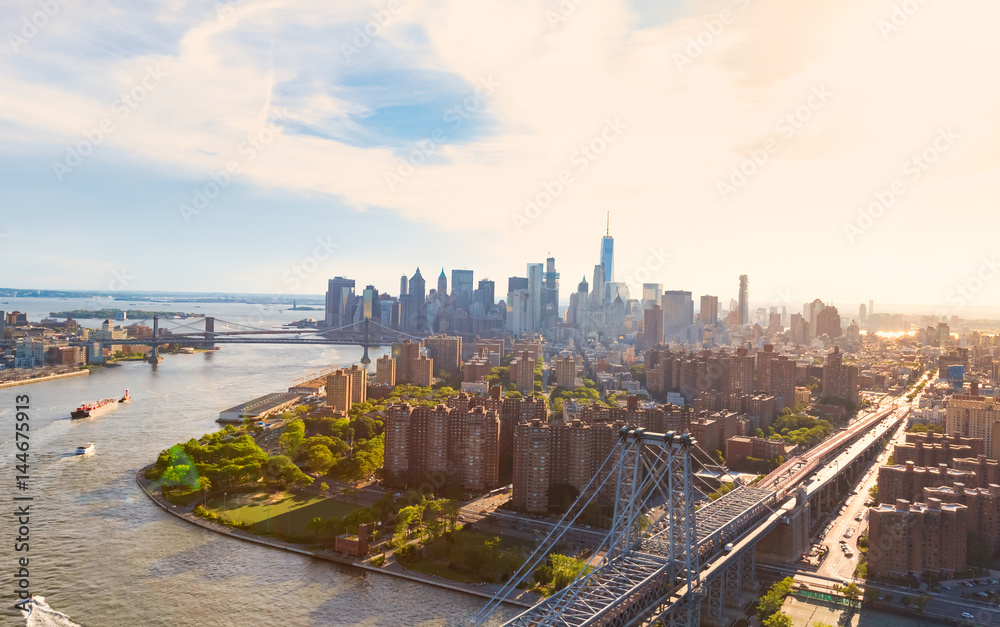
{"points": [[326, 152]]}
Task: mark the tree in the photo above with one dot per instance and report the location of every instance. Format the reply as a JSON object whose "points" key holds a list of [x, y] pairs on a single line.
{"points": [[292, 437], [774, 598], [778, 620], [565, 570], [852, 592]]}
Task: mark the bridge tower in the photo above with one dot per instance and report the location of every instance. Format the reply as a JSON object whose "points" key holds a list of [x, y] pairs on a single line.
{"points": [[154, 355], [365, 359], [643, 577], [209, 342]]}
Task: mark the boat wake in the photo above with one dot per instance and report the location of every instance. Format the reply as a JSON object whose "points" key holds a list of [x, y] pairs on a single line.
{"points": [[39, 614]]}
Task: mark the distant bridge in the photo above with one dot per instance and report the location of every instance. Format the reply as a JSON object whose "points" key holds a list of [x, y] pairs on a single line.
{"points": [[366, 333]]}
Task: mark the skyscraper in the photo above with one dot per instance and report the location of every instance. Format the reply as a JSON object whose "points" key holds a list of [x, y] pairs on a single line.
{"points": [[651, 294], [744, 300], [403, 282], [608, 253], [418, 288], [461, 288], [442, 284], [486, 293], [678, 311], [550, 292], [370, 307], [709, 313], [339, 294], [534, 296]]}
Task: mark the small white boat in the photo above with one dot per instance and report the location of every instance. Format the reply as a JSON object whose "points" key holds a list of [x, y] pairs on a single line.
{"points": [[86, 449]]}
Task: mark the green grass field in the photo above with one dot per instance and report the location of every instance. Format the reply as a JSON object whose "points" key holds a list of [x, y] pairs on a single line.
{"points": [[284, 513]]}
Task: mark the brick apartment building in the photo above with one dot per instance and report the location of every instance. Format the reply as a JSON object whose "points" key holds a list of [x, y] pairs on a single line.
{"points": [[917, 538]]}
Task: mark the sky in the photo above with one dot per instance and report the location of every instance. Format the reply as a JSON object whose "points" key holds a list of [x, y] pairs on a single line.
{"points": [[844, 151]]}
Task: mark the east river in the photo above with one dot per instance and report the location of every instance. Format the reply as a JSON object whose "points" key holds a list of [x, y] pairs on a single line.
{"points": [[105, 556]]}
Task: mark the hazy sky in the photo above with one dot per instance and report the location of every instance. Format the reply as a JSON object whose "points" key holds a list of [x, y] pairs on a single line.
{"points": [[420, 142]]}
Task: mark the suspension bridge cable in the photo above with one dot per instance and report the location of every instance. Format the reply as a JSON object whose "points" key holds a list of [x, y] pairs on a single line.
{"points": [[550, 540]]}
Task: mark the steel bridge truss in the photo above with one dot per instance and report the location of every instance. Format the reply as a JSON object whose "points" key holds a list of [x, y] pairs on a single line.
{"points": [[652, 472]]}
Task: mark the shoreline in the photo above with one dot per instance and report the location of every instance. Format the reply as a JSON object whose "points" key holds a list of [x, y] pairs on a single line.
{"points": [[322, 554], [50, 377]]}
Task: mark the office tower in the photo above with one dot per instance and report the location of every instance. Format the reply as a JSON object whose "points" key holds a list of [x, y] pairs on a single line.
{"points": [[338, 391], [811, 310], [518, 312], [418, 292], [862, 314], [678, 311], [371, 308], [744, 300], [709, 310], [652, 329], [517, 283], [532, 466], [651, 293], [442, 288], [416, 308], [446, 351], [3, 322], [871, 307], [535, 271], [462, 288], [339, 294], [784, 316], [916, 538], [608, 253], [597, 293], [385, 371], [565, 371], [486, 294], [840, 380], [828, 322], [403, 282], [550, 292]]}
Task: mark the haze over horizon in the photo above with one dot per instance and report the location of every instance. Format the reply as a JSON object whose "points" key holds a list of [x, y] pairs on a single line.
{"points": [[725, 137]]}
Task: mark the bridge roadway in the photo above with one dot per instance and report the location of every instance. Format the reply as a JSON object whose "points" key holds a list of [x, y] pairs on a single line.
{"points": [[198, 340], [642, 587]]}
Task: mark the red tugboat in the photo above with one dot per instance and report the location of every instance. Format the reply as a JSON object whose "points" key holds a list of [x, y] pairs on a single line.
{"points": [[88, 410]]}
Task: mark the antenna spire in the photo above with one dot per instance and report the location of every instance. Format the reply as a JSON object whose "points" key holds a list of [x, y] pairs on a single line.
{"points": [[609, 225]]}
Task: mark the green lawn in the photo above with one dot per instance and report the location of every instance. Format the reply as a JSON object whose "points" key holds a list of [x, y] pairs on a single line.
{"points": [[287, 512]]}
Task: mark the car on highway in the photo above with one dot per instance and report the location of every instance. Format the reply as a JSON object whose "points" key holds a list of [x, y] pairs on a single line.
{"points": [[967, 615]]}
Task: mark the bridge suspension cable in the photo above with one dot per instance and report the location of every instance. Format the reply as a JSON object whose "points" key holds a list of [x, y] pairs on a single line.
{"points": [[552, 539]]}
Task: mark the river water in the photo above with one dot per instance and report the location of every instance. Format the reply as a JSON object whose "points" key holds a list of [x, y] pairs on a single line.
{"points": [[104, 555]]}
